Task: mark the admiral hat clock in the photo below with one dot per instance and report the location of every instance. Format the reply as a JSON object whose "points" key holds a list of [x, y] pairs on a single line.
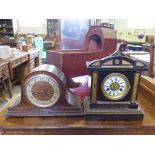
{"points": [[114, 88], [44, 93]]}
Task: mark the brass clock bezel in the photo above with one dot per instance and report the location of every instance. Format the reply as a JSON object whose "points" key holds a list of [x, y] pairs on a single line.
{"points": [[122, 95]]}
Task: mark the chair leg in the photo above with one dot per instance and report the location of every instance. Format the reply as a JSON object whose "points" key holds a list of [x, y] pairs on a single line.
{"points": [[9, 85]]}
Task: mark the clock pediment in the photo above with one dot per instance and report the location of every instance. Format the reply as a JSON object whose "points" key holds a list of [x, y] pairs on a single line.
{"points": [[117, 61]]}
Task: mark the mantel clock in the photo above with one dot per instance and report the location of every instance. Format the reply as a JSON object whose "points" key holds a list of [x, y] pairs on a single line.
{"points": [[44, 93], [114, 88]]}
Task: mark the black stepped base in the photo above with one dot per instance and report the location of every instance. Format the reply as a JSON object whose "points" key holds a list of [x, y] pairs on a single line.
{"points": [[98, 113], [123, 116]]}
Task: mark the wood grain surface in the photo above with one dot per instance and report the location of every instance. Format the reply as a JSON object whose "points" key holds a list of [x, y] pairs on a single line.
{"points": [[77, 125]]}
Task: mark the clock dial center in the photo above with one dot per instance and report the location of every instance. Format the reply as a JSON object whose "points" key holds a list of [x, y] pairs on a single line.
{"points": [[42, 91], [114, 86]]}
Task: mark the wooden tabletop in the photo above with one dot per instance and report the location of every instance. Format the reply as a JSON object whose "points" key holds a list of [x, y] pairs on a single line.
{"points": [[3, 63], [145, 57], [18, 55], [135, 52], [77, 125], [141, 55]]}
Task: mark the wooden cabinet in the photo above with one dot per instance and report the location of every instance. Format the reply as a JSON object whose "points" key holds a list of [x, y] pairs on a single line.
{"points": [[7, 33], [6, 28], [52, 26], [4, 70], [34, 59], [5, 80]]}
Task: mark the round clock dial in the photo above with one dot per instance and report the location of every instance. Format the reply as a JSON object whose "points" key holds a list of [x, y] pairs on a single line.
{"points": [[42, 90], [115, 86]]}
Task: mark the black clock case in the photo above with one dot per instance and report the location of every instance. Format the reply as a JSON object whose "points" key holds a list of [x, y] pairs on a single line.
{"points": [[102, 75], [126, 108]]}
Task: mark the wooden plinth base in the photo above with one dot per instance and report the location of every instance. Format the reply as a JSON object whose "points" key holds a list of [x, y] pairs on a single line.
{"points": [[110, 113], [55, 111]]}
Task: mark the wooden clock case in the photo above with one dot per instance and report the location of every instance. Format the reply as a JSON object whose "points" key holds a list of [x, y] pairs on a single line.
{"points": [[67, 104], [99, 107]]}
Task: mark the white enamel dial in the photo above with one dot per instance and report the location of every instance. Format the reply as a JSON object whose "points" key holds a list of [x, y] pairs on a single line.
{"points": [[115, 86], [42, 90]]}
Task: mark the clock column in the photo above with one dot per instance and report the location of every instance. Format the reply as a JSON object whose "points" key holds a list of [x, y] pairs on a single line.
{"points": [[94, 87], [135, 87]]}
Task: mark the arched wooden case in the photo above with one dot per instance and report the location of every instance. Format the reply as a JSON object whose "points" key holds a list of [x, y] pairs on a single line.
{"points": [[66, 104]]}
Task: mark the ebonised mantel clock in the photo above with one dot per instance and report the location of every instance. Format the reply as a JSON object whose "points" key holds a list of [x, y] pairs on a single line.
{"points": [[114, 87], [44, 93]]}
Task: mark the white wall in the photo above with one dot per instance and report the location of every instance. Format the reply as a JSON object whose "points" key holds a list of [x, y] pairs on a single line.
{"points": [[38, 26], [122, 25]]}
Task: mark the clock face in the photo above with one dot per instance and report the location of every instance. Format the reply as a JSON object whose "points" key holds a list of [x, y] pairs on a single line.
{"points": [[115, 86], [42, 90]]}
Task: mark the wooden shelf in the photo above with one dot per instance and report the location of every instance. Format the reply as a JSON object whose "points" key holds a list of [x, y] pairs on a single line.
{"points": [[6, 26], [6, 32]]}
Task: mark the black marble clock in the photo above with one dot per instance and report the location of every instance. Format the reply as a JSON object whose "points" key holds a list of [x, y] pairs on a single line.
{"points": [[114, 87]]}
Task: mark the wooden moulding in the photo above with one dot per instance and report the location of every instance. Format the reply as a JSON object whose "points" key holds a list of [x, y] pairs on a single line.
{"points": [[147, 84]]}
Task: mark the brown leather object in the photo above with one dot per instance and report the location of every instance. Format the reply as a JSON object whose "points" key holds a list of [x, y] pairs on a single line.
{"points": [[99, 42], [73, 64], [100, 38]]}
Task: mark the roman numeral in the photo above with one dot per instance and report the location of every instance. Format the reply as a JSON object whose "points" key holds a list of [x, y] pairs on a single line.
{"points": [[111, 80], [107, 89], [108, 83]]}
